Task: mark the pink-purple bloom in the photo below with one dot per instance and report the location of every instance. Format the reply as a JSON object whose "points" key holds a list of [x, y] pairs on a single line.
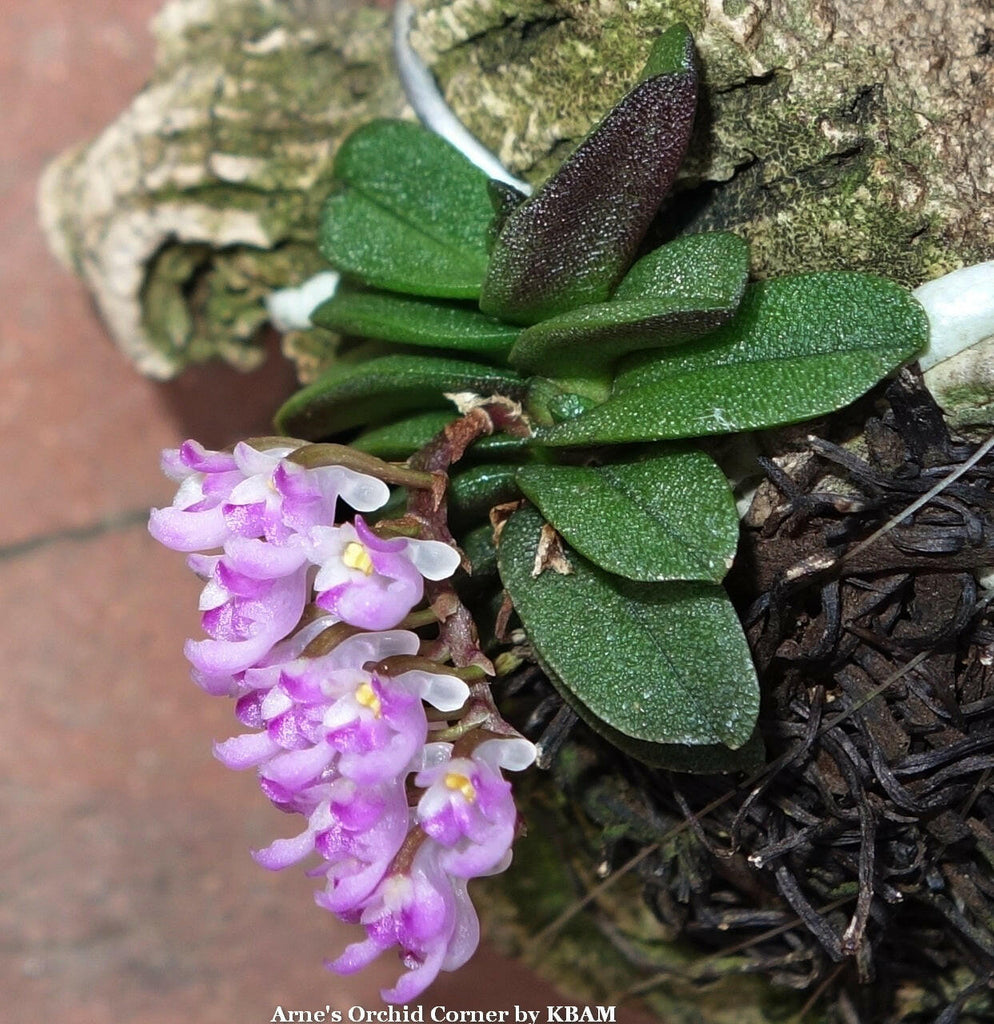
{"points": [[338, 729], [371, 582], [252, 493], [427, 914], [368, 829], [467, 806], [245, 617]]}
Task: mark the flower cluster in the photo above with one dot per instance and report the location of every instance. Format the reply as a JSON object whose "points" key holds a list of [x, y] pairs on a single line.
{"points": [[301, 613]]}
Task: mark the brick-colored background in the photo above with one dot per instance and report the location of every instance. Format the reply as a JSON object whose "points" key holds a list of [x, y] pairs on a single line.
{"points": [[126, 890]]}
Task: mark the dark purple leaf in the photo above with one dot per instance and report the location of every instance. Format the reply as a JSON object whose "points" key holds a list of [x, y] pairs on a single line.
{"points": [[572, 242]]}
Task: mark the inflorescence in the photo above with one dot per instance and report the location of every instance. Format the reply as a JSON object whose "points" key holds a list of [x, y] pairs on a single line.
{"points": [[350, 725]]}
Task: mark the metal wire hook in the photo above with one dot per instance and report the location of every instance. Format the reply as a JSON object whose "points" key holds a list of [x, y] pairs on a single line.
{"points": [[425, 97]]}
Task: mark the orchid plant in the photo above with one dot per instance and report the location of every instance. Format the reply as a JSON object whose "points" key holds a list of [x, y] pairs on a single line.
{"points": [[520, 422]]}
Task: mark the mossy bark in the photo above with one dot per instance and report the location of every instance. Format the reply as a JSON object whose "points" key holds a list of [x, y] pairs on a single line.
{"points": [[204, 195], [830, 135]]}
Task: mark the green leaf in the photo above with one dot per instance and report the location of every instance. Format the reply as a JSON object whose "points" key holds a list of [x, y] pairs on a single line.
{"points": [[478, 546], [671, 51], [550, 401], [571, 242], [659, 662], [504, 446], [473, 492], [671, 517], [411, 321], [504, 198], [678, 292], [799, 347], [349, 396], [702, 759], [411, 215], [401, 439], [711, 266]]}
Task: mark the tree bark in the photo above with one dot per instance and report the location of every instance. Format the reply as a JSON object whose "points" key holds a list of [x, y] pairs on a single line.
{"points": [[830, 135], [203, 196]]}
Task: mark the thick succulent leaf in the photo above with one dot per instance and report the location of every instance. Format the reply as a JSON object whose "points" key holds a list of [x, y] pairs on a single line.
{"points": [[500, 447], [401, 439], [479, 548], [702, 759], [671, 517], [582, 345], [659, 662], [504, 198], [673, 50], [711, 266], [678, 292], [411, 213], [473, 492], [411, 321], [572, 242], [799, 347], [354, 395], [550, 401]]}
